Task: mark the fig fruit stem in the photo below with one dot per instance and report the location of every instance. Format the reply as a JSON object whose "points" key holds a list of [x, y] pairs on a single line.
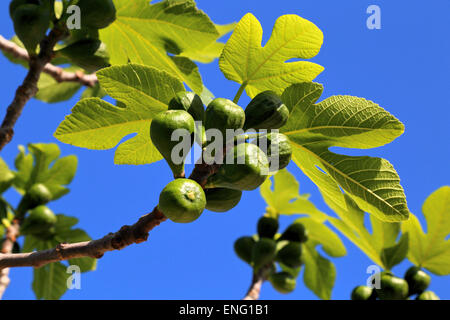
{"points": [[240, 92]]}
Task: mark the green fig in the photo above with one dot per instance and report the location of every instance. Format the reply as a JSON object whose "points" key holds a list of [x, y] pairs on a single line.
{"points": [[182, 201], [263, 253], [39, 220], [244, 248], [266, 111], [97, 14], [37, 195], [281, 155], [427, 295], [246, 171], [296, 232], [89, 54], [31, 22], [193, 104], [283, 282], [223, 114], [267, 227], [418, 280], [190, 102], [392, 288], [161, 130], [290, 255], [363, 293], [14, 4], [222, 199]]}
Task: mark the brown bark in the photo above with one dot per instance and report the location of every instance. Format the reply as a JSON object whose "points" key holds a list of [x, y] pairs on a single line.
{"points": [[258, 279], [58, 73], [127, 235], [28, 89]]}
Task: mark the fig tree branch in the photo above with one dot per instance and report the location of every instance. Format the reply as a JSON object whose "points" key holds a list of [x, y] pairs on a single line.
{"points": [[255, 286], [58, 73], [7, 248], [127, 235], [29, 88]]}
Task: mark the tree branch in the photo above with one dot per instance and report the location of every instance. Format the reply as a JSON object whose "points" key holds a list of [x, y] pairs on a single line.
{"points": [[58, 73], [257, 281], [255, 287], [127, 235], [7, 247], [28, 89]]}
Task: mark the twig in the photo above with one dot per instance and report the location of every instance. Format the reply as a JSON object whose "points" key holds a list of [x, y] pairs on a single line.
{"points": [[29, 88], [58, 73], [257, 281], [255, 287], [7, 247], [127, 235]]}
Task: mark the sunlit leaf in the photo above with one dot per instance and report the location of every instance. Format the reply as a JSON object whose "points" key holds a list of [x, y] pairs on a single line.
{"points": [[349, 122], [285, 198], [431, 250], [99, 125], [244, 61]]}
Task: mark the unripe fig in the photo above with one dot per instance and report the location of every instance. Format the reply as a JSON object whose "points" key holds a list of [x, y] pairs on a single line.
{"points": [[31, 22], [222, 199], [244, 248], [97, 13], [266, 111], [161, 129], [263, 252], [17, 3], [224, 114], [267, 227], [427, 295], [282, 150], [46, 234], [193, 104], [247, 171], [283, 282], [39, 220], [392, 288], [190, 102], [296, 232], [182, 201], [418, 280], [363, 293], [89, 54], [37, 195], [290, 255]]}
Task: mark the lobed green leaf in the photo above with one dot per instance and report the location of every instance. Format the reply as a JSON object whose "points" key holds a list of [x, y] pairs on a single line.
{"points": [[97, 124], [244, 61], [350, 122], [431, 250]]}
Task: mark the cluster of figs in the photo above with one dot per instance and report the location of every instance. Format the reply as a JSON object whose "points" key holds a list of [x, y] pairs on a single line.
{"points": [[32, 19], [414, 283], [183, 200], [267, 248]]}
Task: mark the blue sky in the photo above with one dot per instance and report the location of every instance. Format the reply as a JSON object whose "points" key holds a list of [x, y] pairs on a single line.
{"points": [[404, 67]]}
